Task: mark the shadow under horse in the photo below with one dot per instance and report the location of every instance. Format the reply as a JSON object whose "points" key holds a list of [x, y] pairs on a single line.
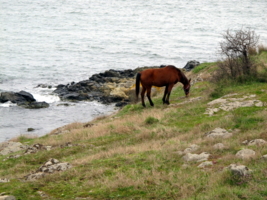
{"points": [[160, 77]]}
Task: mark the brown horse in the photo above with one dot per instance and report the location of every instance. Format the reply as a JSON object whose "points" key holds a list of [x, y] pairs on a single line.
{"points": [[167, 76]]}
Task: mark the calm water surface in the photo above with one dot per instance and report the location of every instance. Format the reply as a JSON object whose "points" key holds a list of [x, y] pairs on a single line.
{"points": [[60, 41]]}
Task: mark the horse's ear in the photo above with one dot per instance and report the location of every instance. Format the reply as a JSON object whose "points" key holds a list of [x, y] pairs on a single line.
{"points": [[189, 80]]}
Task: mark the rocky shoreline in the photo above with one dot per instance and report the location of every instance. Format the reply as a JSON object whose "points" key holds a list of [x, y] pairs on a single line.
{"points": [[111, 86]]}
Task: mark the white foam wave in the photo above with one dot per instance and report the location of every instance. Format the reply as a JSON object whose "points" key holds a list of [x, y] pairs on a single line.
{"points": [[7, 104], [47, 98]]}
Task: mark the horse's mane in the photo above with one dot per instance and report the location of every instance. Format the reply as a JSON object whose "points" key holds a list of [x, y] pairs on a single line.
{"points": [[184, 80]]}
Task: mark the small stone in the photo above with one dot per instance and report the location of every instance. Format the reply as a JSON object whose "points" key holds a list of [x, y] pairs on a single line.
{"points": [[205, 164], [264, 157], [4, 180], [219, 146], [239, 170], [245, 142], [245, 154], [196, 157], [7, 197], [191, 148], [218, 133], [257, 142]]}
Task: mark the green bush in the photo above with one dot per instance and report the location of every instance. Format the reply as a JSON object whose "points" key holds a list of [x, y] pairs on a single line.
{"points": [[151, 120]]}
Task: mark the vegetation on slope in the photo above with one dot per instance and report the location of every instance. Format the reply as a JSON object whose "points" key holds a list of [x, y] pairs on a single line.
{"points": [[133, 153]]}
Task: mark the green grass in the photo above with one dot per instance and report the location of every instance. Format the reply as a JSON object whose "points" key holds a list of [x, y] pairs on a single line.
{"points": [[202, 66]]}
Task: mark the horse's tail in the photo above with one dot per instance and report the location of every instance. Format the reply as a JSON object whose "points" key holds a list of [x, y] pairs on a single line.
{"points": [[137, 85]]}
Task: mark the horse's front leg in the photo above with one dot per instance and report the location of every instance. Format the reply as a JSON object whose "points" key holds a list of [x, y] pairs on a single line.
{"points": [[165, 93], [169, 93], [143, 96], [148, 95]]}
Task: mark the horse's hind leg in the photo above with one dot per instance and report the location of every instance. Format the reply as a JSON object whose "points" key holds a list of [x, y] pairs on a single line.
{"points": [[148, 96], [143, 96]]}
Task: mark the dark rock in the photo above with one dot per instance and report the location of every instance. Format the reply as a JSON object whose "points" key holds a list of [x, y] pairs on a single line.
{"points": [[44, 86], [121, 104], [16, 97], [191, 65], [76, 97], [34, 105], [30, 129], [27, 96]]}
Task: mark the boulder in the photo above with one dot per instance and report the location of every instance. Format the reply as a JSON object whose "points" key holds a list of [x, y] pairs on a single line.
{"points": [[191, 65]]}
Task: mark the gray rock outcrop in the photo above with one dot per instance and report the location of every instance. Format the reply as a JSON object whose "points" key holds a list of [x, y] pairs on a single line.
{"points": [[226, 104]]}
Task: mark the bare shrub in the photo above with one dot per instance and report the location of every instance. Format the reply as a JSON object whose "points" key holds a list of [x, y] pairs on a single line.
{"points": [[236, 49]]}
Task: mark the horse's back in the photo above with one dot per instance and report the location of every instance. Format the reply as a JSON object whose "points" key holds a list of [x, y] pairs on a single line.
{"points": [[159, 76]]}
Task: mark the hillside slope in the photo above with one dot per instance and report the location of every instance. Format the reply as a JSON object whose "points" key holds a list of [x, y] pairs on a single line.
{"points": [[187, 150]]}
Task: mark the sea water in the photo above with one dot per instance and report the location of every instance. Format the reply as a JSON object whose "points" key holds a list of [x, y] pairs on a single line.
{"points": [[55, 42]]}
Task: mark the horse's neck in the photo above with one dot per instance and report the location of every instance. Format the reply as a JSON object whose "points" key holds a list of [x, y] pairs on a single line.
{"points": [[183, 80]]}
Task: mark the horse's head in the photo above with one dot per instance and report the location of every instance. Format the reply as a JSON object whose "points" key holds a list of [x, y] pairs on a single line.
{"points": [[187, 88]]}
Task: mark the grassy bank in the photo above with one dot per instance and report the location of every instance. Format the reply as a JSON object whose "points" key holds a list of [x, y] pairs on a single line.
{"points": [[133, 154]]}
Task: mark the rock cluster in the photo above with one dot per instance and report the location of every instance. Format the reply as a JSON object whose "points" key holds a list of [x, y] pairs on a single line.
{"points": [[22, 98], [51, 166]]}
